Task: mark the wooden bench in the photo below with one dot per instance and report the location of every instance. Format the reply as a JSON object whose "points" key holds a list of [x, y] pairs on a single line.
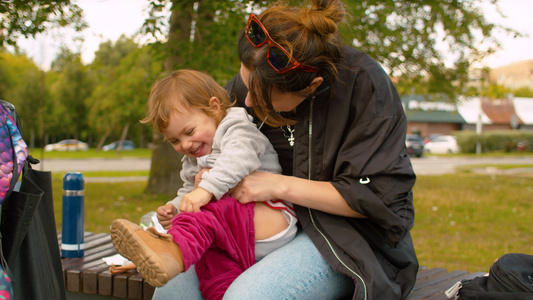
{"points": [[90, 275]]}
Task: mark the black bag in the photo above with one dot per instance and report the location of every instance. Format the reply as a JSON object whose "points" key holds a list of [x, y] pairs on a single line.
{"points": [[29, 238], [509, 278]]}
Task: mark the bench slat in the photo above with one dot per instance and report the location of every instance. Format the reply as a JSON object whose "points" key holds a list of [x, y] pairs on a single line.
{"points": [[90, 278]]}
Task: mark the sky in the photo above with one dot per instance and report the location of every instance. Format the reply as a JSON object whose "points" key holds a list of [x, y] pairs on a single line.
{"points": [[108, 19]]}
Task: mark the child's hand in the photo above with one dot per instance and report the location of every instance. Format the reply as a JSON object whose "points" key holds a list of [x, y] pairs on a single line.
{"points": [[165, 214], [192, 201]]}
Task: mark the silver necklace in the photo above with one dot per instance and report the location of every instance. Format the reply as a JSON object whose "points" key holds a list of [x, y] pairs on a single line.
{"points": [[290, 135], [261, 126]]}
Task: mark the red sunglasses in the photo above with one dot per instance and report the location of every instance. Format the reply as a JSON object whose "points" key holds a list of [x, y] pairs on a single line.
{"points": [[277, 57]]}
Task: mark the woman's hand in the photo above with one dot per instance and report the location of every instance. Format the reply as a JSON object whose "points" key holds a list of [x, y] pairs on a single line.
{"points": [[165, 214], [257, 187], [319, 195]]}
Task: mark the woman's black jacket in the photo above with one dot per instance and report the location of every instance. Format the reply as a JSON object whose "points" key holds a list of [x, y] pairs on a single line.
{"points": [[352, 134]]}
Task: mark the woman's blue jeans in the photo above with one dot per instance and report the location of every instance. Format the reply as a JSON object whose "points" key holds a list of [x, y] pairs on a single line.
{"points": [[294, 271]]}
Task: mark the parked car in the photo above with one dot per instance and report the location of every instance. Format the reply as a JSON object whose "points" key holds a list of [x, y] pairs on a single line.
{"points": [[126, 145], [414, 145], [431, 137], [442, 145], [67, 145]]}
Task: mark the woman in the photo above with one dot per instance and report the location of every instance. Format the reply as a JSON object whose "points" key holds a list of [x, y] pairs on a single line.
{"points": [[337, 123]]}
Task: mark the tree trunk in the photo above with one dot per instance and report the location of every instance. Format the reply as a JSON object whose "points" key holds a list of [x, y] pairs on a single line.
{"points": [[123, 137], [102, 140], [166, 162], [165, 169]]}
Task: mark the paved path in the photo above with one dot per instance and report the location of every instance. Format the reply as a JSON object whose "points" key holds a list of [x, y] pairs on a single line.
{"points": [[98, 164], [429, 165], [95, 164], [436, 165]]}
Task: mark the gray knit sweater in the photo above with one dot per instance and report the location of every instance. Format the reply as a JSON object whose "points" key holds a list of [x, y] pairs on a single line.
{"points": [[238, 149]]}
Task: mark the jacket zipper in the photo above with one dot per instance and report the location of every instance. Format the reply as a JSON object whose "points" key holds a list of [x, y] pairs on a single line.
{"points": [[309, 210]]}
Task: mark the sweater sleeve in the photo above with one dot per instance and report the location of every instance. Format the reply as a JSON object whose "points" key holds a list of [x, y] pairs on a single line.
{"points": [[187, 174], [242, 146]]}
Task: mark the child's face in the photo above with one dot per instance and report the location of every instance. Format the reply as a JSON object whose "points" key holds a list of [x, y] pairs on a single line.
{"points": [[191, 132]]}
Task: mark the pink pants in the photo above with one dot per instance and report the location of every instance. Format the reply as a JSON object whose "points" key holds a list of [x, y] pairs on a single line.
{"points": [[219, 240]]}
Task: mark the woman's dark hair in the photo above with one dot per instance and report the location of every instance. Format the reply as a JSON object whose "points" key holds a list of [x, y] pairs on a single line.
{"points": [[310, 35]]}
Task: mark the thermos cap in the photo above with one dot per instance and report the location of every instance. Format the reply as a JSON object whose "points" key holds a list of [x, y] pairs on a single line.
{"points": [[73, 181]]}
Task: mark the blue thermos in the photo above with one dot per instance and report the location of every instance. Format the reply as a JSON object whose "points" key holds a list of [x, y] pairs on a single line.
{"points": [[73, 221]]}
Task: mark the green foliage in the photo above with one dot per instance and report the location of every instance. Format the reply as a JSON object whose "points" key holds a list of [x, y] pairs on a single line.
{"points": [[523, 92], [22, 84], [29, 17], [111, 92], [496, 141], [68, 92], [122, 91], [109, 53], [212, 47], [413, 39], [495, 91]]}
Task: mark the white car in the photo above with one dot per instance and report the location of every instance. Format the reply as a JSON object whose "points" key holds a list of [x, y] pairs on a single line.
{"points": [[67, 145], [443, 144]]}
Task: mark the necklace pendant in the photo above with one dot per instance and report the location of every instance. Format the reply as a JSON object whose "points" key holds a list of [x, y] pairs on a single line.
{"points": [[291, 137], [291, 140]]}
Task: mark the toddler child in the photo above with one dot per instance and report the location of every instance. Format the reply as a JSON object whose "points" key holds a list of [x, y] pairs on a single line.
{"points": [[213, 231]]}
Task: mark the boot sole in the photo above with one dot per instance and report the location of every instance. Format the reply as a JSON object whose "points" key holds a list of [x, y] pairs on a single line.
{"points": [[130, 245]]}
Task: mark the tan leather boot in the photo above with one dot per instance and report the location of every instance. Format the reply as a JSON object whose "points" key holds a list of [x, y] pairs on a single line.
{"points": [[155, 254]]}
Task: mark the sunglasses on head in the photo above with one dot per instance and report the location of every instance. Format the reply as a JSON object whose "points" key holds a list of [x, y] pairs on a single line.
{"points": [[277, 57]]}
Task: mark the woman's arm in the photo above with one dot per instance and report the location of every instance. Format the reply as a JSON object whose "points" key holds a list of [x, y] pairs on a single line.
{"points": [[319, 195]]}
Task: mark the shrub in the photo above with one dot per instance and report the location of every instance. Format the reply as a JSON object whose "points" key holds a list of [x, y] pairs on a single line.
{"points": [[496, 141]]}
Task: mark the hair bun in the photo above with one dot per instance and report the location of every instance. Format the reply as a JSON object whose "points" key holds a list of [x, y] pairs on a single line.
{"points": [[332, 9], [323, 16]]}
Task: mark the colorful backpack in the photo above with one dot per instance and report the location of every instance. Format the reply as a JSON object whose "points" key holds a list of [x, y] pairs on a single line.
{"points": [[13, 154], [13, 149]]}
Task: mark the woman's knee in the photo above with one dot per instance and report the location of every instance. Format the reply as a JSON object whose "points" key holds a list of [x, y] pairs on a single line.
{"points": [[183, 286]]}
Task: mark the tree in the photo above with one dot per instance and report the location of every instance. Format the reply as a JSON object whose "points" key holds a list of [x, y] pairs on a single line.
{"points": [[430, 45], [523, 92], [22, 84], [203, 36], [72, 86], [166, 163], [125, 77], [29, 17]]}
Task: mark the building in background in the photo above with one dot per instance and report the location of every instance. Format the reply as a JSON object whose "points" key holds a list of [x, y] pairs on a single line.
{"points": [[426, 117]]}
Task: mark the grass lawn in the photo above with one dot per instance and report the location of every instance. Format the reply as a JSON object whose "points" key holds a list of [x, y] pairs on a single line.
{"points": [[465, 221]]}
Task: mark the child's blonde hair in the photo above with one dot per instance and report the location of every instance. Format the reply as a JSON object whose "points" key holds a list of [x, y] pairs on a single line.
{"points": [[190, 88]]}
